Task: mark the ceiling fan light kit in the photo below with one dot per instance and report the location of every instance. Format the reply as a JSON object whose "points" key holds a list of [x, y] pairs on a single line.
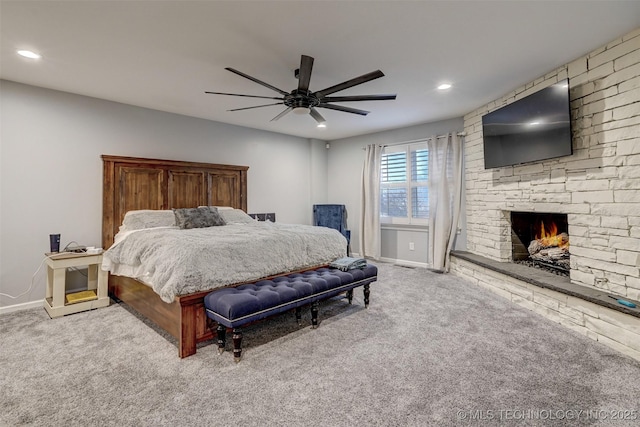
{"points": [[302, 101], [301, 110]]}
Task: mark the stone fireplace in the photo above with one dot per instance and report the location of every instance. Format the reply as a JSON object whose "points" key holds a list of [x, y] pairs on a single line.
{"points": [[597, 190]]}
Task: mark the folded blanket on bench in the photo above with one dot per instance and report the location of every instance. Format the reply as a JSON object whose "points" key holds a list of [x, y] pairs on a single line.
{"points": [[348, 263]]}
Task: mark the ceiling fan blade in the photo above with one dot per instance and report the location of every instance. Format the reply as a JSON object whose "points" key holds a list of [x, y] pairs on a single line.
{"points": [[345, 109], [248, 96], [253, 79], [282, 114], [358, 98], [349, 83], [304, 75], [256, 106], [314, 113]]}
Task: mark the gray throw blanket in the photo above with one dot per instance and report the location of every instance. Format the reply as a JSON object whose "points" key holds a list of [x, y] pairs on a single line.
{"points": [[177, 262], [349, 263]]}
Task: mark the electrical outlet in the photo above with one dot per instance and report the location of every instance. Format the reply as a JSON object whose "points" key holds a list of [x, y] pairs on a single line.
{"points": [[411, 246]]}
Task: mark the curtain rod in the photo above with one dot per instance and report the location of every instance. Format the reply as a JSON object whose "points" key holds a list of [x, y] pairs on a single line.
{"points": [[418, 140]]}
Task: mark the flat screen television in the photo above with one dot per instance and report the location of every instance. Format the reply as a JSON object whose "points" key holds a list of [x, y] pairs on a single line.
{"points": [[534, 128]]}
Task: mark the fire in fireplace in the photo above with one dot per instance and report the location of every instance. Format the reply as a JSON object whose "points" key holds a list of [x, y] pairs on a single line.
{"points": [[541, 240]]}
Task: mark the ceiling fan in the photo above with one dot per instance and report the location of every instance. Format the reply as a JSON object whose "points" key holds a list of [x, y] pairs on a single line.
{"points": [[302, 101]]}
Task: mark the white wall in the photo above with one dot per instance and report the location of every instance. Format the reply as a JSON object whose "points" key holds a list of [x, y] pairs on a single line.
{"points": [[51, 171], [346, 157], [318, 171]]}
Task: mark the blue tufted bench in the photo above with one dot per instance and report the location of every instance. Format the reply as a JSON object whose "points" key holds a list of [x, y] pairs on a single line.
{"points": [[237, 306]]}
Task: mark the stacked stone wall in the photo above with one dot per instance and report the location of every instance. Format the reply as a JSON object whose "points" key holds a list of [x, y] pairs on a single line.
{"points": [[598, 186]]}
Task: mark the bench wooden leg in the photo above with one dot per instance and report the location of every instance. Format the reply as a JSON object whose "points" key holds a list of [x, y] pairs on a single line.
{"points": [[237, 344], [299, 315], [314, 315], [366, 295], [350, 296], [222, 338]]}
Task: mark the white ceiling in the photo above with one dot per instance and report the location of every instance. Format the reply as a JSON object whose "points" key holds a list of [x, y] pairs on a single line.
{"points": [[165, 54]]}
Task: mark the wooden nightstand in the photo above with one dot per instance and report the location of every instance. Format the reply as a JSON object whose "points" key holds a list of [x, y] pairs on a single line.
{"points": [[56, 302]]}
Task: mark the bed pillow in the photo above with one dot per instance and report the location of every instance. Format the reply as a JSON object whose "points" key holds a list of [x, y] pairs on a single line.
{"points": [[235, 216], [140, 219], [198, 217]]}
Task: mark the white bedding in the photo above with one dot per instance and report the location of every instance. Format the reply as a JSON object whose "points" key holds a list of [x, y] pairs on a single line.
{"points": [[176, 262]]}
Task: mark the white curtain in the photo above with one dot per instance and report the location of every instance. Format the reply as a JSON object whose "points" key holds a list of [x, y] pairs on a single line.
{"points": [[369, 239], [445, 197]]}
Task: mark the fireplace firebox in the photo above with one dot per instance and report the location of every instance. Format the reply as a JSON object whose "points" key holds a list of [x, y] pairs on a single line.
{"points": [[541, 240]]}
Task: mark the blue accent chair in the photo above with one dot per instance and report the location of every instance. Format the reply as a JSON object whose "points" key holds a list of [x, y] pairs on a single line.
{"points": [[333, 216]]}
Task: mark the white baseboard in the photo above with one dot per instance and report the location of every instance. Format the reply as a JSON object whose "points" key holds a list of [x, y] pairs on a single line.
{"points": [[405, 263], [402, 262], [23, 306]]}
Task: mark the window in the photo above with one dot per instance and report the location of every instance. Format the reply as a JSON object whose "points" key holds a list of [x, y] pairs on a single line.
{"points": [[404, 197]]}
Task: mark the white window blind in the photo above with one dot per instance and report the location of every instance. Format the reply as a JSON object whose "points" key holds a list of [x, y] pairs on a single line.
{"points": [[404, 198]]}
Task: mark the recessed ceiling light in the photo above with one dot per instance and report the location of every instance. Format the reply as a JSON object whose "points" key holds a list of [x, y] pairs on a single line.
{"points": [[29, 54], [322, 125], [444, 86]]}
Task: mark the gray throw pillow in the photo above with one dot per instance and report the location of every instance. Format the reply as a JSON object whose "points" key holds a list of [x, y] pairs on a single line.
{"points": [[197, 217], [235, 216]]}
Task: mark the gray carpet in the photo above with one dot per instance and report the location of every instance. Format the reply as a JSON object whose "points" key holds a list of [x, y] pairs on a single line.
{"points": [[430, 350]]}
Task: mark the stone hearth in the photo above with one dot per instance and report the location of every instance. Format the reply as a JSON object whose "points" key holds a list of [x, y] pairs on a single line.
{"points": [[588, 311]]}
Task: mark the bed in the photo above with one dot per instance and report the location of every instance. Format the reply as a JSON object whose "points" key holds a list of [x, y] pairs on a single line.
{"points": [[137, 184]]}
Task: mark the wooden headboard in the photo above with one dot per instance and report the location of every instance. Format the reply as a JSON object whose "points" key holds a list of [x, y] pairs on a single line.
{"points": [[134, 183]]}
